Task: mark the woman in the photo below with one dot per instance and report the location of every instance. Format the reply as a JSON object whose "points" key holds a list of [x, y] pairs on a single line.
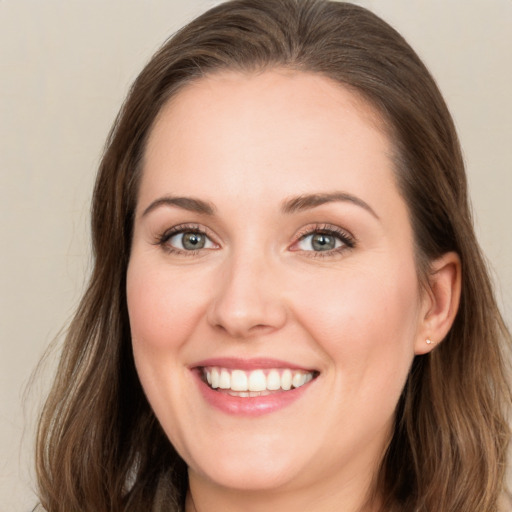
{"points": [[288, 309]]}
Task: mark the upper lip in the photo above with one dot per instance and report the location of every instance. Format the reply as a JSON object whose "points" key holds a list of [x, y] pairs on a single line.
{"points": [[248, 364]]}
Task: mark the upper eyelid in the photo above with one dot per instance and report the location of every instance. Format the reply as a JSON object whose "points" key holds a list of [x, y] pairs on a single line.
{"points": [[323, 227], [348, 240], [187, 227], [162, 238]]}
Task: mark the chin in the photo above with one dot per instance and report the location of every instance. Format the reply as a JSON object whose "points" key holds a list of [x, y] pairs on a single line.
{"points": [[244, 476], [251, 470]]}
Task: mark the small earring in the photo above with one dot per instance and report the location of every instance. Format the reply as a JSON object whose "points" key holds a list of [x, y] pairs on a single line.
{"points": [[429, 341]]}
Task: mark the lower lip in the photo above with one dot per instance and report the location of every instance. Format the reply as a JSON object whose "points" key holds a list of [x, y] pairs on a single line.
{"points": [[251, 405]]}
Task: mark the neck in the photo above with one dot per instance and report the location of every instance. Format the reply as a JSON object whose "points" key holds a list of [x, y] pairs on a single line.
{"points": [[204, 496]]}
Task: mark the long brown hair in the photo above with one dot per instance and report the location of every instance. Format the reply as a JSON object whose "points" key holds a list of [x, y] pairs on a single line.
{"points": [[100, 446]]}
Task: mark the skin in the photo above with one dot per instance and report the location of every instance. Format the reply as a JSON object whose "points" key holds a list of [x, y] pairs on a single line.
{"points": [[246, 143]]}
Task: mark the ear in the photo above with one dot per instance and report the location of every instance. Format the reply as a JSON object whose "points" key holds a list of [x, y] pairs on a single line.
{"points": [[440, 302]]}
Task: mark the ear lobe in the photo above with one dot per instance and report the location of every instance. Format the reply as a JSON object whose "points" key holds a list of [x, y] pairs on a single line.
{"points": [[441, 302]]}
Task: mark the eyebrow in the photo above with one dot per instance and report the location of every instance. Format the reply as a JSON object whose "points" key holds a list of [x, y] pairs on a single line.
{"points": [[292, 205], [187, 203], [308, 201]]}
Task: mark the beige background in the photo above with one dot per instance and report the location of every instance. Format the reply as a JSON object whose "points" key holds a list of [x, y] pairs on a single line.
{"points": [[64, 69]]}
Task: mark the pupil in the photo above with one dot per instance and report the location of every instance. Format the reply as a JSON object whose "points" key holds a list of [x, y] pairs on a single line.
{"points": [[323, 242], [193, 241]]}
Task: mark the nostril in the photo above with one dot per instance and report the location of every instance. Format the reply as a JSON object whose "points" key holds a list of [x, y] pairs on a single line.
{"points": [[246, 299]]}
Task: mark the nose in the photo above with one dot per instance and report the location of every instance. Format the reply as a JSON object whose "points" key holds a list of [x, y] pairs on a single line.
{"points": [[248, 300]]}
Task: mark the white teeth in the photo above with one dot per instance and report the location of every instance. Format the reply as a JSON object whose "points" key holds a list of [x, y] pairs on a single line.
{"points": [[214, 377], [238, 380], [273, 380], [298, 380], [286, 380], [257, 382], [224, 380], [241, 393]]}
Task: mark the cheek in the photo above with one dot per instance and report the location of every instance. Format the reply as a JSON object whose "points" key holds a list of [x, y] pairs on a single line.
{"points": [[348, 303], [162, 312], [162, 309], [366, 322]]}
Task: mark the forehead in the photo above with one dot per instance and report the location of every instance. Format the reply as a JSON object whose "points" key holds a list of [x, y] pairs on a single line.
{"points": [[288, 95], [274, 132]]}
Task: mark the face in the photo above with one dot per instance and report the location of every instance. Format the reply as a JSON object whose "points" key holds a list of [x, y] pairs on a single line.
{"points": [[272, 291]]}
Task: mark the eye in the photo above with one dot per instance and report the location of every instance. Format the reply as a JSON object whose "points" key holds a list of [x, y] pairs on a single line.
{"points": [[319, 242], [324, 239], [184, 239], [190, 241]]}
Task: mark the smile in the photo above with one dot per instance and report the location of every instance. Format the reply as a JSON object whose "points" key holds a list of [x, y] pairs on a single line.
{"points": [[258, 382]]}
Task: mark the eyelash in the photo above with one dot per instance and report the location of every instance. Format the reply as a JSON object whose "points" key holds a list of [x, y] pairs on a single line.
{"points": [[348, 241], [180, 229]]}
